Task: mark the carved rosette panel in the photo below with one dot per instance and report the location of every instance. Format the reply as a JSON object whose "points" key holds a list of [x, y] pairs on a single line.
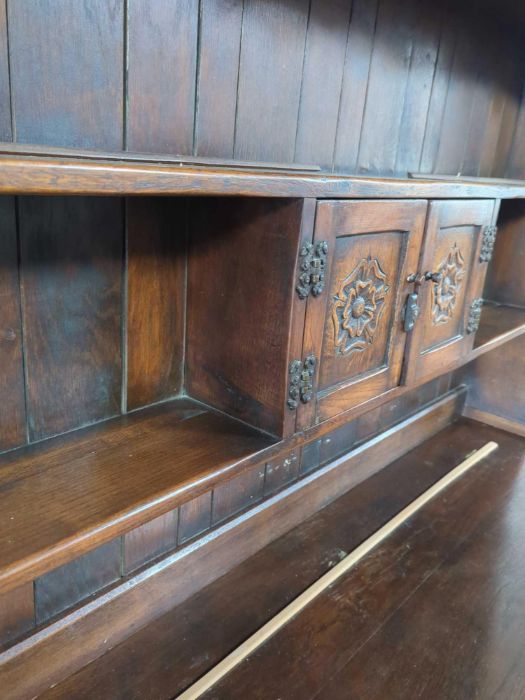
{"points": [[358, 306], [445, 293]]}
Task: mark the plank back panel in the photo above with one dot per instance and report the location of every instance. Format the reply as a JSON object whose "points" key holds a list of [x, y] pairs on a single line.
{"points": [[5, 97], [71, 257], [67, 72], [156, 275], [12, 408]]}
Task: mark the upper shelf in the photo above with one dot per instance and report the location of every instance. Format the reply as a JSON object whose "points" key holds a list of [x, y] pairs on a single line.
{"points": [[34, 170]]}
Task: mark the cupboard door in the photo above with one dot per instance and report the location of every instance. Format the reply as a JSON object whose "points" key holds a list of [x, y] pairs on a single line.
{"points": [[451, 248], [354, 326]]}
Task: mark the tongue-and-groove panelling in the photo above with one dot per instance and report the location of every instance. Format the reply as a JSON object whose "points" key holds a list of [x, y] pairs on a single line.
{"points": [[360, 86]]}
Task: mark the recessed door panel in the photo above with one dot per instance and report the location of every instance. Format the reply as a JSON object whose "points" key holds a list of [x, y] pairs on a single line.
{"points": [[354, 327], [451, 249]]}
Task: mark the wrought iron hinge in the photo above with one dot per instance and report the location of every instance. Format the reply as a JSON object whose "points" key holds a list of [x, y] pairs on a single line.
{"points": [[312, 263], [474, 316], [301, 381], [487, 243]]}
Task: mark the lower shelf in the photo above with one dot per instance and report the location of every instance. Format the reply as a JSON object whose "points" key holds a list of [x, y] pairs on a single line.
{"points": [[60, 497], [498, 324]]}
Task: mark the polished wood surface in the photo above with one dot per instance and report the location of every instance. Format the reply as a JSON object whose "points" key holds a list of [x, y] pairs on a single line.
{"points": [[417, 628], [378, 87], [35, 664], [274, 576], [161, 451]]}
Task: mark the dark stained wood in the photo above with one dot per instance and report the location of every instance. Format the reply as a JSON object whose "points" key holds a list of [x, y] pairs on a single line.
{"points": [[271, 63], [150, 541], [5, 96], [220, 42], [162, 60], [35, 665], [272, 577], [505, 280], [195, 517], [63, 587], [404, 621], [498, 325], [17, 613], [387, 85], [241, 274], [238, 494], [12, 407], [66, 61], [71, 262], [118, 475], [279, 473], [354, 86], [324, 61], [156, 283], [42, 175], [371, 245]]}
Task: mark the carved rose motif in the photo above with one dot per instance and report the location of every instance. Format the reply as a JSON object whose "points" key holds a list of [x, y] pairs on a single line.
{"points": [[358, 305], [446, 292]]}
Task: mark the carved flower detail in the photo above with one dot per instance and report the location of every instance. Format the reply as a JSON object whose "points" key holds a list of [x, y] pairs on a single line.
{"points": [[445, 293], [358, 305]]}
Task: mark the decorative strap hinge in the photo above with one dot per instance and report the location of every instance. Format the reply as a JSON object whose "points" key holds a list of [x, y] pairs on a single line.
{"points": [[474, 316], [312, 263], [301, 386], [487, 243]]}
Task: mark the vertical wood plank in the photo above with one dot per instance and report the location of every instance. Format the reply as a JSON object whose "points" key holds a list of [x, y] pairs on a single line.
{"points": [[508, 124], [355, 82], [71, 260], [194, 517], [272, 51], [438, 96], [150, 540], [12, 407], [67, 72], [220, 41], [236, 495], [5, 96], [17, 613], [69, 584], [322, 76], [280, 473], [516, 164], [156, 230], [458, 106], [419, 86], [162, 61], [386, 87]]}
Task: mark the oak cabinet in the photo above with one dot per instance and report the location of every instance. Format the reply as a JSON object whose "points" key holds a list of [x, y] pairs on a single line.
{"points": [[396, 297], [450, 305], [354, 327]]}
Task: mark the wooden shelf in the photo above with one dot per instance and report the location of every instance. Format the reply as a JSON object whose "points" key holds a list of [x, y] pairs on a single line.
{"points": [[34, 170], [62, 497], [499, 324]]}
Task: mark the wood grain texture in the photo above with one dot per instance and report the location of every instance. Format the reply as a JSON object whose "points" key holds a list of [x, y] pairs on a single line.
{"points": [[273, 577], [5, 92], [35, 666], [272, 52], [63, 587], [66, 72], [151, 540], [162, 60], [279, 473], [17, 613], [118, 475], [12, 409], [252, 250], [409, 594], [195, 517], [220, 42], [355, 82], [241, 492], [71, 261], [156, 288], [322, 75]]}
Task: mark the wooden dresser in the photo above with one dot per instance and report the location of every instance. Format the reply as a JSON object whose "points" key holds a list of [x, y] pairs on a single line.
{"points": [[199, 352]]}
